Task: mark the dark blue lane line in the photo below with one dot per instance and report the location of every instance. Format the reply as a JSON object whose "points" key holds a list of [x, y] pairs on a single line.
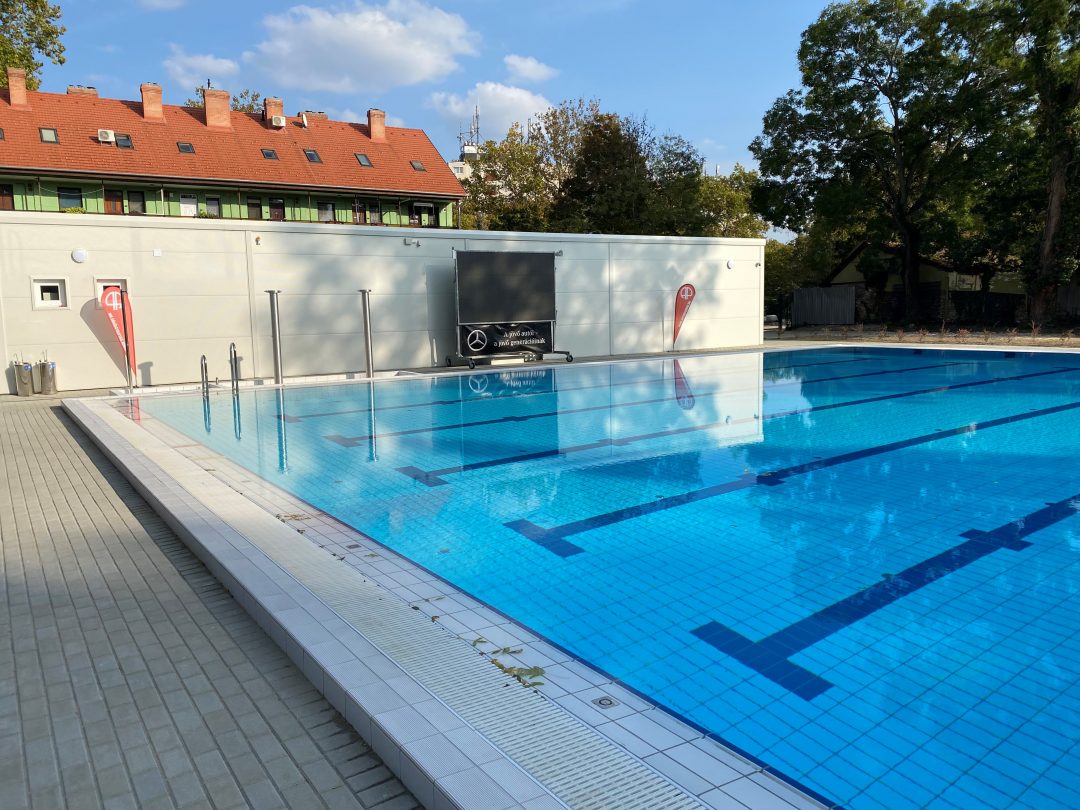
{"points": [[770, 656], [434, 478], [457, 401], [363, 439], [773, 478]]}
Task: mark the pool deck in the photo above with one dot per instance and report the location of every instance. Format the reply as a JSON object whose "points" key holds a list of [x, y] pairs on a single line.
{"points": [[128, 676], [433, 730]]}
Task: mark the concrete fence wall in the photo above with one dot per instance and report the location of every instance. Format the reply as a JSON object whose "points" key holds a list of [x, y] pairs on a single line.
{"points": [[197, 285]]}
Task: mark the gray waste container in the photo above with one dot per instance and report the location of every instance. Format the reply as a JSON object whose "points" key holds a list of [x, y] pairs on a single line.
{"points": [[24, 378], [47, 376]]}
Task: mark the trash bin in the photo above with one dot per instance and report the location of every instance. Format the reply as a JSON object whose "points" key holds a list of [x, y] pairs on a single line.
{"points": [[24, 378], [47, 376]]}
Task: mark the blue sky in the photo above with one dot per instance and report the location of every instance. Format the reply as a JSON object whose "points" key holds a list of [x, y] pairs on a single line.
{"points": [[703, 70]]}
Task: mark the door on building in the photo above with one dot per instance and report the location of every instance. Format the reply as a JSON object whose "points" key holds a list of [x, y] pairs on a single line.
{"points": [[136, 202], [189, 205], [114, 202], [254, 208], [7, 198], [277, 210]]}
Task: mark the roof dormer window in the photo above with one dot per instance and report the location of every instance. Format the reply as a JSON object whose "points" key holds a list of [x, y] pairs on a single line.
{"points": [[312, 156], [269, 154], [185, 147], [418, 165], [1, 133], [124, 142], [363, 160], [48, 135]]}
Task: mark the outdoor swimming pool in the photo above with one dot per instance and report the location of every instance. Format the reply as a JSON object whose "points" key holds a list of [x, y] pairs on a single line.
{"points": [[859, 566]]}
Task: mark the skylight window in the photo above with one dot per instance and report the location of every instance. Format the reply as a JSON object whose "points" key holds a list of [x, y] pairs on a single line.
{"points": [[269, 154], [48, 135], [1, 133], [185, 147], [418, 165], [363, 160], [312, 156], [124, 142]]}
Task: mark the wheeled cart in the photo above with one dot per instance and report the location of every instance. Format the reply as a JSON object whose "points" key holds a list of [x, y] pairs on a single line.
{"points": [[505, 306]]}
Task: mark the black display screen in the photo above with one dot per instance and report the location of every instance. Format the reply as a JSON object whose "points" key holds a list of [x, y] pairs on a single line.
{"points": [[495, 287]]}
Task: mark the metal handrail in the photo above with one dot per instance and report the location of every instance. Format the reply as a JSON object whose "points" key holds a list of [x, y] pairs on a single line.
{"points": [[275, 334], [365, 300], [234, 369], [204, 377]]}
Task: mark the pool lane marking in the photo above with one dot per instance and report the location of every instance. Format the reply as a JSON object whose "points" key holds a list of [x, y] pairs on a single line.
{"points": [[773, 478], [771, 655], [356, 441], [435, 478], [457, 401]]}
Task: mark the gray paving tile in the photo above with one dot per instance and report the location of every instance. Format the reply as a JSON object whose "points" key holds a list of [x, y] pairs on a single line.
{"points": [[135, 680]]}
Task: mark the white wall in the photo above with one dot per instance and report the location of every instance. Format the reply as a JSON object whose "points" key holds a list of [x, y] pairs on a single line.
{"points": [[197, 285]]}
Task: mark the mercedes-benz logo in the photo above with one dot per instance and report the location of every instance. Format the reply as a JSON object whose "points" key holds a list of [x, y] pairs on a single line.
{"points": [[478, 384], [477, 340]]}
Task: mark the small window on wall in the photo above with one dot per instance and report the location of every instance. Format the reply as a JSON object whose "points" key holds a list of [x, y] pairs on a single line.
{"points": [[254, 208], [69, 198], [326, 211], [101, 283], [49, 293], [7, 198], [213, 207]]}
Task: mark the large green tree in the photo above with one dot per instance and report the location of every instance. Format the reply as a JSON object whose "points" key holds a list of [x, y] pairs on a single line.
{"points": [[29, 28], [726, 205], [508, 187], [1038, 44], [609, 186], [891, 109]]}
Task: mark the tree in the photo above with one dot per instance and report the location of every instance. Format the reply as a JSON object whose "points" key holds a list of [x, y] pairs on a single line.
{"points": [[508, 187], [247, 100], [892, 107], [675, 200], [609, 187], [727, 206], [556, 133], [28, 28], [1038, 43]]}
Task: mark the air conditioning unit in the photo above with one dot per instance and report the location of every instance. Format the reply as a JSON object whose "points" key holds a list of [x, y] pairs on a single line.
{"points": [[277, 121], [106, 136]]}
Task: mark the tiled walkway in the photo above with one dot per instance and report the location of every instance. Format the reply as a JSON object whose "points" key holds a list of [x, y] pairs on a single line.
{"points": [[128, 676]]}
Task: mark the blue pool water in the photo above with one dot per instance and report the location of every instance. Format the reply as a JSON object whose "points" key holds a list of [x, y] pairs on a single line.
{"points": [[859, 566]]}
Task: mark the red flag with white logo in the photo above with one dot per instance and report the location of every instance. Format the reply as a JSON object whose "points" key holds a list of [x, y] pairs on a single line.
{"points": [[683, 298], [117, 307]]}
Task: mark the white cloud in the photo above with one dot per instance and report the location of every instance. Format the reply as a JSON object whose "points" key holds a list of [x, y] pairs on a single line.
{"points": [[363, 46], [500, 106], [192, 69], [161, 5], [525, 69]]}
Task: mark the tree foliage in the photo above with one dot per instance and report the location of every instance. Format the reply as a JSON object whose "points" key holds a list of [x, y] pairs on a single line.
{"points": [[578, 169], [247, 100], [29, 28], [893, 107]]}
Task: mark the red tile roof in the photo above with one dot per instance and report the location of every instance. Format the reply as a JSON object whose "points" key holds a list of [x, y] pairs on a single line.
{"points": [[221, 156]]}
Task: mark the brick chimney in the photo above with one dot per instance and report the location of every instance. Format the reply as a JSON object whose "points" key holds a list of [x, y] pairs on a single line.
{"points": [[272, 107], [218, 113], [151, 101], [16, 81], [81, 90], [376, 124]]}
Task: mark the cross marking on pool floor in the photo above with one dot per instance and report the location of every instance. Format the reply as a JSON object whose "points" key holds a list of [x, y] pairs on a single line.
{"points": [[771, 655], [547, 537]]}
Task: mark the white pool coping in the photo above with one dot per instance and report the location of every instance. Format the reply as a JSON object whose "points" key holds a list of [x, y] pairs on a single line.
{"points": [[396, 650]]}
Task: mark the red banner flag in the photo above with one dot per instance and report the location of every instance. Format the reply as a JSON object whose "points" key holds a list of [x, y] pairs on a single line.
{"points": [[117, 306], [683, 298]]}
